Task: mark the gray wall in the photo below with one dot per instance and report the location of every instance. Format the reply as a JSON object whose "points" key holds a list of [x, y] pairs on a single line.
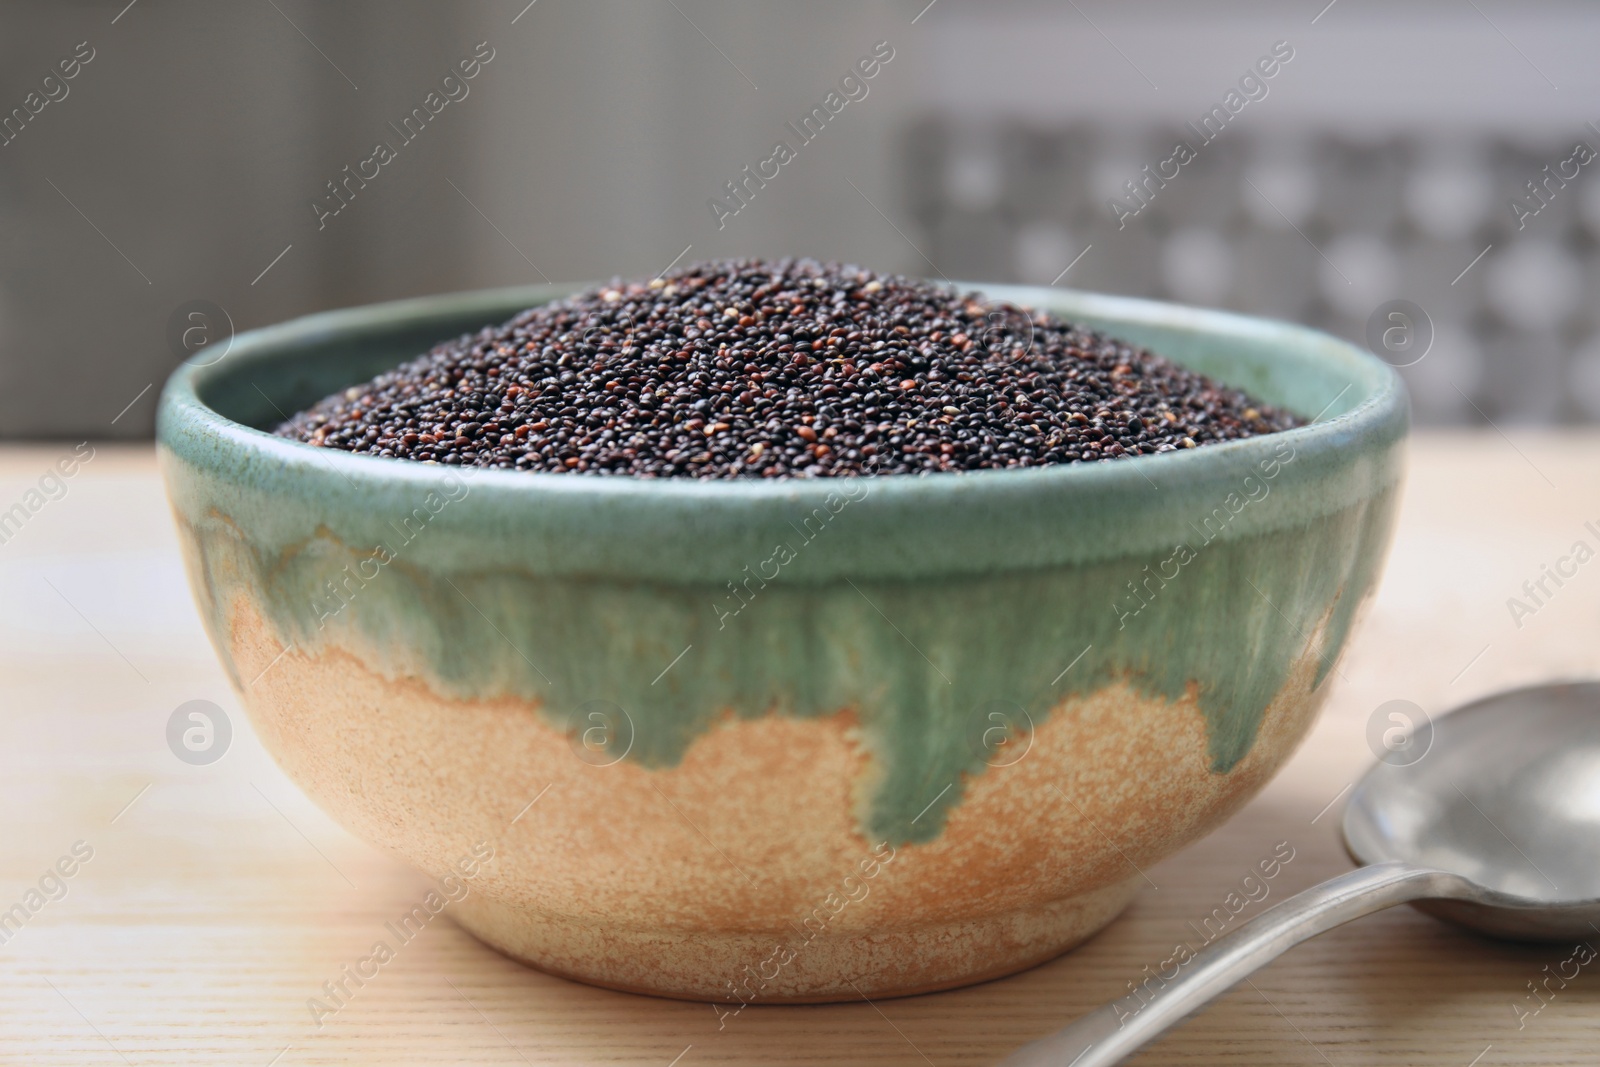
{"points": [[186, 154]]}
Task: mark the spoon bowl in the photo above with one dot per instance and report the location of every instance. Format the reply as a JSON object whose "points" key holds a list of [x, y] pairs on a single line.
{"points": [[1488, 818], [1506, 794]]}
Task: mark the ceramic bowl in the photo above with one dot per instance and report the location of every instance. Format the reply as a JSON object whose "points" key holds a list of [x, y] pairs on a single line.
{"points": [[790, 740]]}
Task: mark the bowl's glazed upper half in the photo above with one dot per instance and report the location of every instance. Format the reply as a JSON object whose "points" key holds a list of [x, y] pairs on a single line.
{"points": [[915, 602]]}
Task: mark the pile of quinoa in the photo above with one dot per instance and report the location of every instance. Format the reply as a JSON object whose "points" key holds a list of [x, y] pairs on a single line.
{"points": [[789, 368]]}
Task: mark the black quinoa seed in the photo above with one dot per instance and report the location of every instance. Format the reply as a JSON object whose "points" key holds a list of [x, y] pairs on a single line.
{"points": [[793, 368]]}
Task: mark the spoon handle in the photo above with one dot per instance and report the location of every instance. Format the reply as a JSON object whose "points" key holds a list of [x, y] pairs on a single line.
{"points": [[1107, 1034]]}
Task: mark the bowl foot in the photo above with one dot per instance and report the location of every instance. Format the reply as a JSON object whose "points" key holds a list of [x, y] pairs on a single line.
{"points": [[792, 967]]}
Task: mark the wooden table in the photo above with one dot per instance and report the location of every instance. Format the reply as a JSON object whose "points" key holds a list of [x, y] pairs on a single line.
{"points": [[218, 899]]}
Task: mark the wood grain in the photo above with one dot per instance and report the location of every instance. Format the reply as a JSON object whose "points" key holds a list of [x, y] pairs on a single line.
{"points": [[219, 900]]}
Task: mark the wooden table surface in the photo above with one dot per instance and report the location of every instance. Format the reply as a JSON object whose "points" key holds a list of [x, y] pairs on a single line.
{"points": [[218, 900]]}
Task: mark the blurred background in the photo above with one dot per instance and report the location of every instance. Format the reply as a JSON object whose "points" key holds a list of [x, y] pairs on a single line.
{"points": [[191, 161]]}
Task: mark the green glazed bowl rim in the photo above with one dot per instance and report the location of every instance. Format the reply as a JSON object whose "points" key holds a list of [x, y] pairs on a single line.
{"points": [[902, 525]]}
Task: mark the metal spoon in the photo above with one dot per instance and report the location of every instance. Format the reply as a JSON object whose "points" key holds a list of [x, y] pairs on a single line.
{"points": [[1494, 826]]}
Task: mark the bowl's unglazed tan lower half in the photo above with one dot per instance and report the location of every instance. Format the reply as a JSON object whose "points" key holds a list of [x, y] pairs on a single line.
{"points": [[741, 873]]}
